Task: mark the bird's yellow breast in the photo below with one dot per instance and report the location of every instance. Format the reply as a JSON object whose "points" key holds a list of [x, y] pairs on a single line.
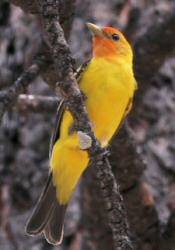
{"points": [[109, 86]]}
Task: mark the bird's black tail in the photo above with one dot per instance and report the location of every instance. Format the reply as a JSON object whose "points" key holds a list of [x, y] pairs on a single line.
{"points": [[48, 216]]}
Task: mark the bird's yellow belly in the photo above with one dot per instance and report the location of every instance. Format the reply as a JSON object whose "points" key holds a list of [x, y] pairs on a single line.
{"points": [[106, 112]]}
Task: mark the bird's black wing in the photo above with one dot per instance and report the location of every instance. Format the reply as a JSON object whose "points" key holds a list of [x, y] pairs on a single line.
{"points": [[44, 214]]}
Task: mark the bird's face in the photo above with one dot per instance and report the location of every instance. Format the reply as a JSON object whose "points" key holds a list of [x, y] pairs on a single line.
{"points": [[110, 42]]}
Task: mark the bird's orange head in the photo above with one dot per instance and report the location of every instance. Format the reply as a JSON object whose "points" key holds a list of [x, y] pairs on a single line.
{"points": [[110, 43]]}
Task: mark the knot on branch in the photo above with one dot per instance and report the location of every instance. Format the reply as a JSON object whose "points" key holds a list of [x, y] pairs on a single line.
{"points": [[85, 141]]}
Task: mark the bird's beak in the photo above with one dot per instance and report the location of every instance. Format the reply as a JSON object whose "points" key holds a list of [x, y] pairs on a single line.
{"points": [[95, 30]]}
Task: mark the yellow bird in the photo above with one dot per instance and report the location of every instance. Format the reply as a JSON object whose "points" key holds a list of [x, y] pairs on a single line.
{"points": [[109, 85]]}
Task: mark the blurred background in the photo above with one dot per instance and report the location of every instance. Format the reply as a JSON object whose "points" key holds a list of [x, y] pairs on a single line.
{"points": [[143, 154]]}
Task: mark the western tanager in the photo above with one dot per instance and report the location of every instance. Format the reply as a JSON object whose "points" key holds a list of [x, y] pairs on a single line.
{"points": [[109, 85]]}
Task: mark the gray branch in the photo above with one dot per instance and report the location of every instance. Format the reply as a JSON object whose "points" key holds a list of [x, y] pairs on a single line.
{"points": [[37, 103], [9, 96], [69, 88]]}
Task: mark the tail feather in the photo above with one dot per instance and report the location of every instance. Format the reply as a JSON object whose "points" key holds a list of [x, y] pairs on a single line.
{"points": [[54, 229], [48, 216]]}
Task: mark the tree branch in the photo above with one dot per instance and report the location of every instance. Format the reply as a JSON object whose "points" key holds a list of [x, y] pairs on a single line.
{"points": [[74, 98], [38, 104], [9, 96]]}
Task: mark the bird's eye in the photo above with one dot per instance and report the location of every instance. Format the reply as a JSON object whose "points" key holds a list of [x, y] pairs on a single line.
{"points": [[115, 37]]}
